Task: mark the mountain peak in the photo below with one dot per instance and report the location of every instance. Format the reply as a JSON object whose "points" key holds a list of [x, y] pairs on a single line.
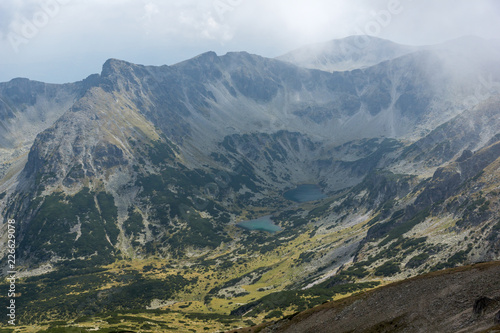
{"points": [[113, 65], [365, 39], [348, 53], [207, 55]]}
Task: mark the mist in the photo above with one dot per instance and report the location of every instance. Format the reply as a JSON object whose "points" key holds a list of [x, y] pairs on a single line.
{"points": [[66, 40]]}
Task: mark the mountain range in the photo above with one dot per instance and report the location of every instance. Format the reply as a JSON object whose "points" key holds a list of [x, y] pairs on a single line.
{"points": [[128, 187]]}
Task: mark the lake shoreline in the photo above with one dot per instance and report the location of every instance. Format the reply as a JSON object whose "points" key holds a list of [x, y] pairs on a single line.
{"points": [[300, 194]]}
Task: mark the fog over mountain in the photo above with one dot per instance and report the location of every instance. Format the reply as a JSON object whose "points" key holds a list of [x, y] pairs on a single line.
{"points": [[350, 53], [55, 42]]}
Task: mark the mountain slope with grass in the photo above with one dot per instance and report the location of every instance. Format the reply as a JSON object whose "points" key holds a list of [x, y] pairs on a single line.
{"points": [[128, 205]]}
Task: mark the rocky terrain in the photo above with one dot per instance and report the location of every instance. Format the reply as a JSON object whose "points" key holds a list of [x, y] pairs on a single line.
{"points": [[137, 177], [465, 299], [26, 109]]}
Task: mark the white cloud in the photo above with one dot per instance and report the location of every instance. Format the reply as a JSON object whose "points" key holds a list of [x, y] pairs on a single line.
{"points": [[86, 32], [150, 10]]}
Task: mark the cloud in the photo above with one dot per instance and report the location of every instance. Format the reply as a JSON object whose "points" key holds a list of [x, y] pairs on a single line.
{"points": [[87, 32], [150, 10], [10, 11]]}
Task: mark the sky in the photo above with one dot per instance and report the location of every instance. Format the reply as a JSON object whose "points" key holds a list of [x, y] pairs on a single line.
{"points": [[59, 41]]}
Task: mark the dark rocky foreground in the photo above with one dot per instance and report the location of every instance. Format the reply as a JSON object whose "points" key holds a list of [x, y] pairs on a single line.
{"points": [[465, 299]]}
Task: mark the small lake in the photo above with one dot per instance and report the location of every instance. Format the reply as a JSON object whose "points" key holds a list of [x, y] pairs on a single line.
{"points": [[305, 193], [263, 224]]}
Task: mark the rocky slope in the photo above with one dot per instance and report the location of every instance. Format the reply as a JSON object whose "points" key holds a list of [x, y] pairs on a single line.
{"points": [[459, 300], [26, 109]]}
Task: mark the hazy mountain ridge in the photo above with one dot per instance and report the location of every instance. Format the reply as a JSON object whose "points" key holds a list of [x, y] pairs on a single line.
{"points": [[310, 102], [354, 52]]}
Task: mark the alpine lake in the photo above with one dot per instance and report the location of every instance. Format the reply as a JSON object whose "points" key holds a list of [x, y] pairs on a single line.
{"points": [[300, 194]]}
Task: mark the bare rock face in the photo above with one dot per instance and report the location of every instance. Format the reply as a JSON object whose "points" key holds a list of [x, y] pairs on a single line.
{"points": [[482, 304], [28, 108]]}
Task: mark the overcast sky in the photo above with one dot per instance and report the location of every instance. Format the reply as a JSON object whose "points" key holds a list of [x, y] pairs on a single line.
{"points": [[67, 40]]}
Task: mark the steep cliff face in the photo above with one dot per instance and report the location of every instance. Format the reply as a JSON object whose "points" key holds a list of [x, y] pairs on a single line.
{"points": [[471, 130], [26, 109]]}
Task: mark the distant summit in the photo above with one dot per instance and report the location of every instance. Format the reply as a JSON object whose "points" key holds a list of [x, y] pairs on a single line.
{"points": [[348, 53]]}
